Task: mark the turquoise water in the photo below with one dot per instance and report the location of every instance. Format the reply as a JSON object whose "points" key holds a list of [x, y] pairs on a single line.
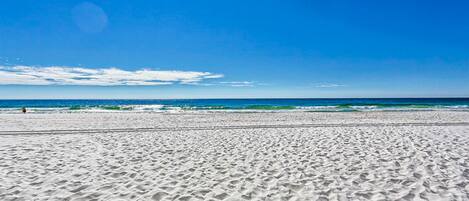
{"points": [[158, 105]]}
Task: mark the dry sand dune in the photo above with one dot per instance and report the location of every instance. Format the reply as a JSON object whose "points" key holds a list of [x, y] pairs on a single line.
{"points": [[425, 161]]}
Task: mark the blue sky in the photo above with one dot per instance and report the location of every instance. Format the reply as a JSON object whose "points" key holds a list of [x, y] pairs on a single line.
{"points": [[233, 49]]}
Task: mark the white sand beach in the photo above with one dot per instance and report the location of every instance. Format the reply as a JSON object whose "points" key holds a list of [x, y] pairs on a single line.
{"points": [[235, 156]]}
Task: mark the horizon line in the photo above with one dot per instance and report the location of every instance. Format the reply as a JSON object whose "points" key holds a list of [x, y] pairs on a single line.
{"points": [[285, 98]]}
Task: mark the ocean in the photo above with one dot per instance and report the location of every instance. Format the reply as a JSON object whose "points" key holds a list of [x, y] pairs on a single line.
{"points": [[172, 105]]}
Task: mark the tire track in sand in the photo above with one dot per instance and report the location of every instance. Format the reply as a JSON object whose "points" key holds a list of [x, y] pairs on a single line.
{"points": [[228, 127]]}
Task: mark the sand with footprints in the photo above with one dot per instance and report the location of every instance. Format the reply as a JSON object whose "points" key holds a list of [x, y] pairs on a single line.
{"points": [[235, 156]]}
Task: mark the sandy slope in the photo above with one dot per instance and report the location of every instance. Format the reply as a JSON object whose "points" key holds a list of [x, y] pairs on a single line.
{"points": [[380, 162], [134, 120]]}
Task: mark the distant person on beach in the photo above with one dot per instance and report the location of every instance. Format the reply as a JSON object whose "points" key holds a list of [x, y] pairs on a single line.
{"points": [[24, 110]]}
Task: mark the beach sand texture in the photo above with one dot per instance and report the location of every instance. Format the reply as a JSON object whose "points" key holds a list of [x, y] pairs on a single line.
{"points": [[235, 156]]}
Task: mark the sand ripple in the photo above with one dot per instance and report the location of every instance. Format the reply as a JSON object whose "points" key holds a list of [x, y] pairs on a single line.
{"points": [[328, 163]]}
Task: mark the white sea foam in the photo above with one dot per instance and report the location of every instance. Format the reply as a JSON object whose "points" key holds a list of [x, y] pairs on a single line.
{"points": [[159, 108]]}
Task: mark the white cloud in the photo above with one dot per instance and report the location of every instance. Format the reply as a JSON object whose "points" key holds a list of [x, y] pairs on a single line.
{"points": [[229, 84], [238, 83], [328, 85], [58, 75]]}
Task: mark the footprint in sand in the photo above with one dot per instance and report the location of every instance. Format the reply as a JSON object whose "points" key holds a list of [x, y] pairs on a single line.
{"points": [[158, 196]]}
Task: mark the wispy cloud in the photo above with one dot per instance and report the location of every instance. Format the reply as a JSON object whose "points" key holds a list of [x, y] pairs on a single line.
{"points": [[238, 83], [328, 85], [229, 84], [58, 75]]}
